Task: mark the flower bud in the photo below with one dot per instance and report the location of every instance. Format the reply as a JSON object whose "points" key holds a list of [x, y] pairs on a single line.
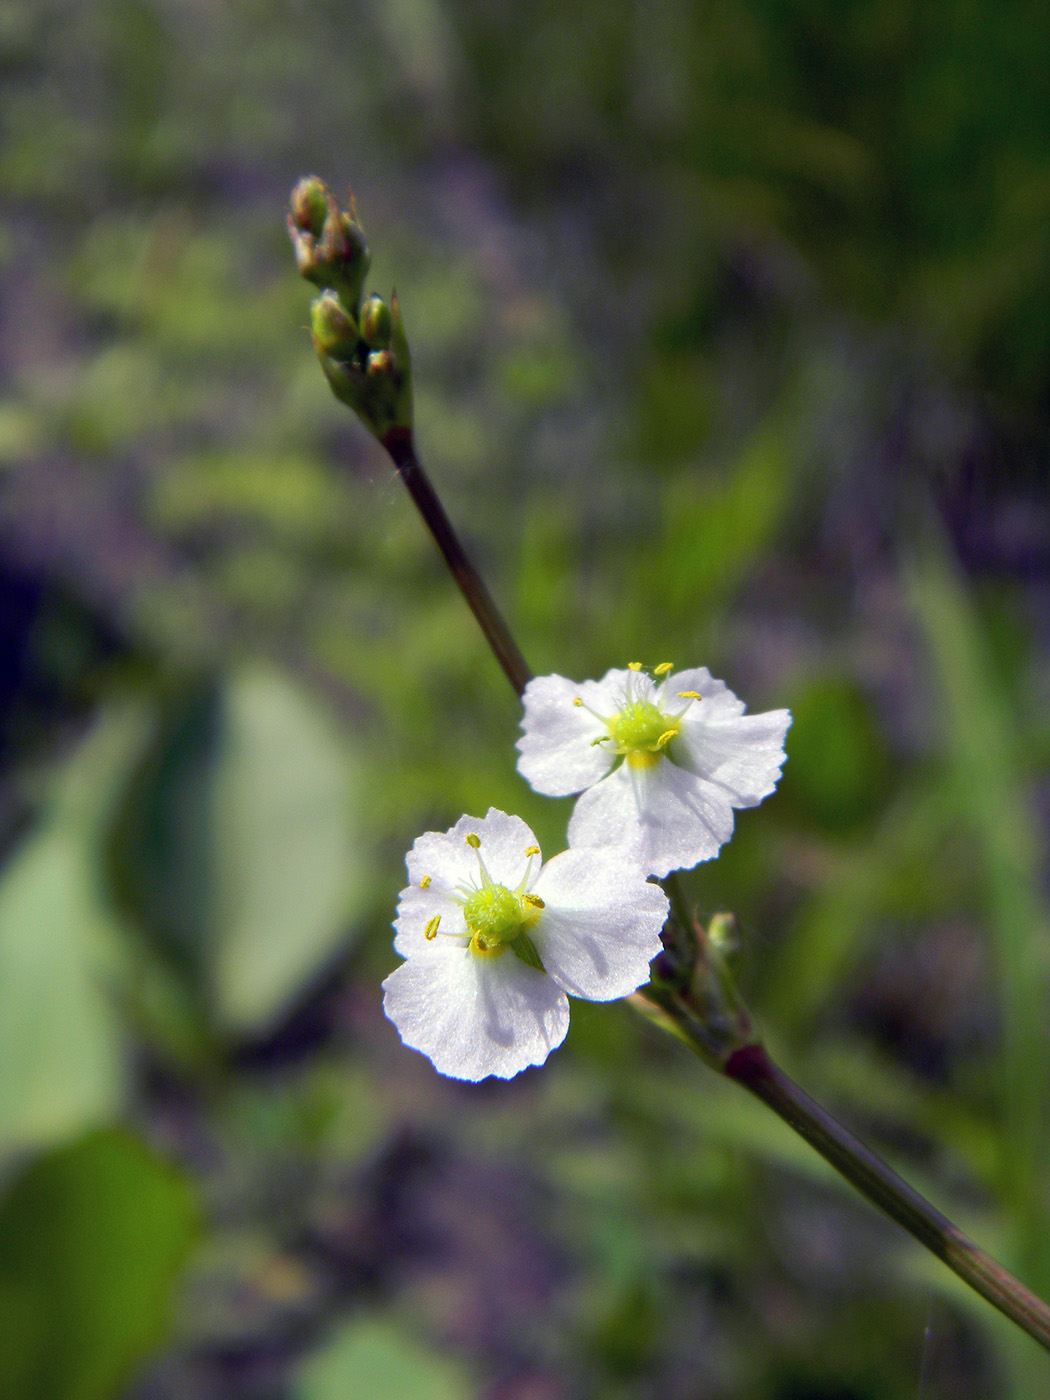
{"points": [[380, 365], [309, 205], [375, 323], [334, 332]]}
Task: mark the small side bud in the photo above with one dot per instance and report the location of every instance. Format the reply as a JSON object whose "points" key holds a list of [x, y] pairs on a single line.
{"points": [[723, 933], [376, 323], [380, 364]]}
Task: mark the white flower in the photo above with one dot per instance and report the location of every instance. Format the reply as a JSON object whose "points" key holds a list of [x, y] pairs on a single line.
{"points": [[689, 756], [492, 941]]}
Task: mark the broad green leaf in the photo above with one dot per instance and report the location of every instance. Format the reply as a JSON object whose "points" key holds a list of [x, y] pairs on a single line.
{"points": [[372, 1359], [241, 847], [91, 1238]]}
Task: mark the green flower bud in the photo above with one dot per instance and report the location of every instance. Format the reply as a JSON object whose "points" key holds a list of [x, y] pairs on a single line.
{"points": [[309, 205], [375, 323], [381, 365], [334, 332]]}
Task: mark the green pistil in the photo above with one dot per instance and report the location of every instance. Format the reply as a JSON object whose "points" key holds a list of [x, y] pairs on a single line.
{"points": [[497, 919], [640, 731], [493, 916]]}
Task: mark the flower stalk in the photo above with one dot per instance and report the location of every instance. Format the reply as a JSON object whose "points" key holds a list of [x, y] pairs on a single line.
{"points": [[364, 354], [401, 447], [752, 1068]]}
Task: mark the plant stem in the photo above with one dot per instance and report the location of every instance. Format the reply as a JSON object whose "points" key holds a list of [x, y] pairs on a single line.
{"points": [[755, 1071], [398, 442], [748, 1064]]}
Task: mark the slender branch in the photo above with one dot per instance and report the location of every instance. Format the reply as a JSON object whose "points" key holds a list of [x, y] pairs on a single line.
{"points": [[398, 442], [752, 1068]]}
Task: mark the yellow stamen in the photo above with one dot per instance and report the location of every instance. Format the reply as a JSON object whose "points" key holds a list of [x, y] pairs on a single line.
{"points": [[634, 665], [576, 700], [424, 884], [666, 737], [690, 695], [533, 900], [663, 668], [472, 839], [483, 947], [532, 850], [430, 932]]}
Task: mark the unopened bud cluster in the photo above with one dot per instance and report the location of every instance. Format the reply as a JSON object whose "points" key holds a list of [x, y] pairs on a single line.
{"points": [[361, 344]]}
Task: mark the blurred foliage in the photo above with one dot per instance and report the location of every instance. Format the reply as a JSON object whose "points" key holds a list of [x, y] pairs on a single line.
{"points": [[90, 1238], [731, 341]]}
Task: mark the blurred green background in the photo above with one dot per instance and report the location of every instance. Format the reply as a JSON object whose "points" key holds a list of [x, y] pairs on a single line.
{"points": [[731, 338]]}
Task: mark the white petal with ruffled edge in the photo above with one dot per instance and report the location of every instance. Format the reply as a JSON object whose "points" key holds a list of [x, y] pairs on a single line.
{"points": [[743, 756], [601, 926], [474, 1017], [558, 750], [665, 818]]}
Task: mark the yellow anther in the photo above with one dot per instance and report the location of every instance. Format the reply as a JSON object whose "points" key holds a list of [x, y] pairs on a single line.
{"points": [[473, 840], [663, 668], [533, 901], [634, 665], [532, 850], [666, 737], [424, 884], [690, 695], [430, 932], [576, 700]]}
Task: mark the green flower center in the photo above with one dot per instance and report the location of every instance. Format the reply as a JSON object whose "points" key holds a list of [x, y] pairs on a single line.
{"points": [[640, 731], [638, 726], [494, 916]]}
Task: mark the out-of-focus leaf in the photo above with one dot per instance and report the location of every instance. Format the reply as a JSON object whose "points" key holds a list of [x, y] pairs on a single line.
{"points": [[90, 1241], [886, 874], [62, 1064], [240, 844], [713, 531], [371, 1359], [839, 767], [61, 1059], [990, 788]]}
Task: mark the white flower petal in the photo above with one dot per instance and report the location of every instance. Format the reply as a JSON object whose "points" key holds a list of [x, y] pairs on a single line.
{"points": [[666, 817], [558, 753], [743, 754], [504, 841], [601, 925], [717, 697], [475, 1017], [446, 862], [416, 908]]}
